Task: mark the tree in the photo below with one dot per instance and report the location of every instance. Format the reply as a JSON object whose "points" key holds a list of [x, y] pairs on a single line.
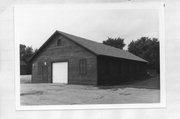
{"points": [[115, 42], [22, 51], [26, 52], [148, 49]]}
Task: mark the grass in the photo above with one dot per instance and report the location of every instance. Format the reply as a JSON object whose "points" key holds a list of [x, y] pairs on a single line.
{"points": [[146, 91], [150, 83]]}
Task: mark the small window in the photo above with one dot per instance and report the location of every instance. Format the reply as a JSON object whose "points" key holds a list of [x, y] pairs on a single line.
{"points": [[82, 66], [59, 42]]}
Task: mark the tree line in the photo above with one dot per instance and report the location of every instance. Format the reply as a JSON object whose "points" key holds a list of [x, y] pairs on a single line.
{"points": [[26, 52], [144, 47]]}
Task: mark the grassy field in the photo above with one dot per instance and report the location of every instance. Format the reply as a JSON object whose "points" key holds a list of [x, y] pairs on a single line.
{"points": [[146, 91]]}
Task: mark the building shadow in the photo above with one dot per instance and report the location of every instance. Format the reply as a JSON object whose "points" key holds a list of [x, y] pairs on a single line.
{"points": [[152, 82]]}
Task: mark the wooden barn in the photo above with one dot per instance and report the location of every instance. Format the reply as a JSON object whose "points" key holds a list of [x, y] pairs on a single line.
{"points": [[69, 59]]}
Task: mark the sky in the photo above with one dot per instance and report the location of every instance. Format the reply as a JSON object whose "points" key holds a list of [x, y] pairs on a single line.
{"points": [[35, 24]]}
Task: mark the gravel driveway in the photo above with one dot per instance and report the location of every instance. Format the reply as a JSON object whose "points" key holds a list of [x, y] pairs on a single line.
{"points": [[57, 94]]}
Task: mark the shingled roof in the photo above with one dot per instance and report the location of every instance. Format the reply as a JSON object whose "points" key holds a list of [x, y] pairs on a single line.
{"points": [[96, 48]]}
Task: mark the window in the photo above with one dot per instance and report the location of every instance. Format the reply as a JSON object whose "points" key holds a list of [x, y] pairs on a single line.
{"points": [[58, 42], [82, 66]]}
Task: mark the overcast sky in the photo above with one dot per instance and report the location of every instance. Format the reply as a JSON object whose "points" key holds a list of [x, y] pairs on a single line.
{"points": [[35, 24]]}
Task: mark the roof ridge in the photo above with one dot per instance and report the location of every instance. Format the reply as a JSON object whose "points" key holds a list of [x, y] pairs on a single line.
{"points": [[93, 41], [101, 44]]}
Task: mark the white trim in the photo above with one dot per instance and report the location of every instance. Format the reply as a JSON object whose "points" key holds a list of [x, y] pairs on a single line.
{"points": [[60, 69]]}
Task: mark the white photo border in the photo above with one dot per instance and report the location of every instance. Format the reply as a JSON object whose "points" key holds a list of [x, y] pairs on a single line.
{"points": [[126, 5]]}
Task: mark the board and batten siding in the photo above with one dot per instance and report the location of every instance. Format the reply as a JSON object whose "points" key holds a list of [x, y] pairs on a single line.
{"points": [[70, 52], [113, 71]]}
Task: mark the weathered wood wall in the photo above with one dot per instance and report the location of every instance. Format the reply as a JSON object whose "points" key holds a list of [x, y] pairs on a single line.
{"points": [[70, 52], [113, 71]]}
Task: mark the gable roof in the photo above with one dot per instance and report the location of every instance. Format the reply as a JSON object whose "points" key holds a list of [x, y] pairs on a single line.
{"points": [[95, 47]]}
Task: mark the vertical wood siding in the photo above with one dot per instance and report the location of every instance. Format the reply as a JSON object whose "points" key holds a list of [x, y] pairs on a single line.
{"points": [[67, 51], [114, 71]]}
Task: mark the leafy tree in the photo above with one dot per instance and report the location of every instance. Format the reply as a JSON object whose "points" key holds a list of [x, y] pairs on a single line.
{"points": [[115, 42], [26, 52], [22, 51], [148, 49], [35, 51]]}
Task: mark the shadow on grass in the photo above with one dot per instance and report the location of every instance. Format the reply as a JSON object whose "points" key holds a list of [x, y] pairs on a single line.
{"points": [[149, 83], [32, 93]]}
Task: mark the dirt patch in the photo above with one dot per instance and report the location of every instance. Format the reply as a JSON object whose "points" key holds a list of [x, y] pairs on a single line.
{"points": [[32, 93], [124, 93], [98, 98]]}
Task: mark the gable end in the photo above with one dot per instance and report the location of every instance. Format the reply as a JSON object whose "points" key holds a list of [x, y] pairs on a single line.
{"points": [[54, 35]]}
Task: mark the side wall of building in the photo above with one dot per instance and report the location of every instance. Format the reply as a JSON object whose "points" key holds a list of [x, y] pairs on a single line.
{"points": [[114, 71], [66, 51]]}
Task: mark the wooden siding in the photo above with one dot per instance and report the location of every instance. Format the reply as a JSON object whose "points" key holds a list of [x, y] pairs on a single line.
{"points": [[114, 71], [67, 51]]}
